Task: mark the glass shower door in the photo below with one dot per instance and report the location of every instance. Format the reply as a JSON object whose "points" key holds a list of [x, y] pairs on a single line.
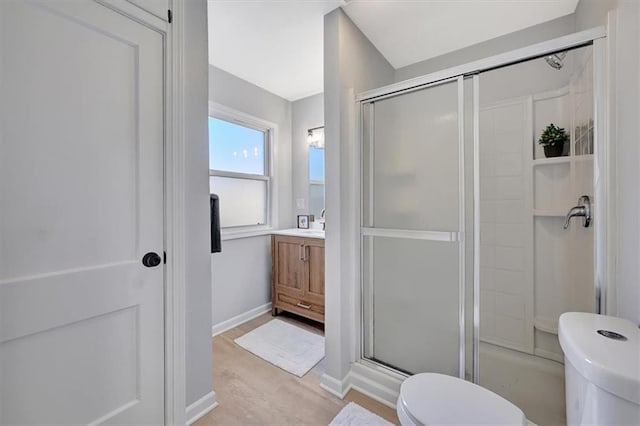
{"points": [[414, 284]]}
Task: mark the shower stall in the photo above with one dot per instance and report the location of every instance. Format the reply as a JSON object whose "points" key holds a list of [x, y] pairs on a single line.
{"points": [[468, 254]]}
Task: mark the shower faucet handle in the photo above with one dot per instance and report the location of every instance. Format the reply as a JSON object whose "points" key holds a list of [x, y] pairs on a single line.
{"points": [[583, 209]]}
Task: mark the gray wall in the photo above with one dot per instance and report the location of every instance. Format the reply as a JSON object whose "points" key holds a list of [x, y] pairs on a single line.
{"points": [[241, 277], [351, 65], [306, 113], [241, 274], [625, 101], [196, 192], [536, 34]]}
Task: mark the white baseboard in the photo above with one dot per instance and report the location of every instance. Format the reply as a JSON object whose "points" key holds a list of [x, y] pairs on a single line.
{"points": [[201, 407], [223, 326], [379, 385], [334, 386]]}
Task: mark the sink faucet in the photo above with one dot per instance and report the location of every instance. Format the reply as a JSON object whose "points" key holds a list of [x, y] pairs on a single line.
{"points": [[322, 219]]}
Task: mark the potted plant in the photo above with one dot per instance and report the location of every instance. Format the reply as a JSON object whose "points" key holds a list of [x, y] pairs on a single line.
{"points": [[553, 139]]}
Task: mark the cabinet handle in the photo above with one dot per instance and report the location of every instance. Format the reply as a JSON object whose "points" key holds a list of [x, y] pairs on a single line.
{"points": [[303, 252], [302, 305]]}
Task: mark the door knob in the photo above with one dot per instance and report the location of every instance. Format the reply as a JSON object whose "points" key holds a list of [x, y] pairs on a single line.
{"points": [[151, 260]]}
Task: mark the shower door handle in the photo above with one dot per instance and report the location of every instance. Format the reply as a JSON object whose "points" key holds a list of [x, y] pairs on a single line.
{"points": [[583, 209]]}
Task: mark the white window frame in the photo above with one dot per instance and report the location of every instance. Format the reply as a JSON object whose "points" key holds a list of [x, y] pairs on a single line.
{"points": [[271, 130]]}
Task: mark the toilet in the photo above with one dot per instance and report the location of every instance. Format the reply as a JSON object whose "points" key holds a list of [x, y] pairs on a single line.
{"points": [[438, 399], [601, 369], [602, 372]]}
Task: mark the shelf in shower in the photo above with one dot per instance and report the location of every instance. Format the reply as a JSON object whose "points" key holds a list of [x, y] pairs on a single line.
{"points": [[547, 325], [551, 161], [585, 157], [550, 213]]}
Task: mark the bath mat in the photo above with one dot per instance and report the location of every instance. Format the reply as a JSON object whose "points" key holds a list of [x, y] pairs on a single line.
{"points": [[354, 415], [284, 345]]}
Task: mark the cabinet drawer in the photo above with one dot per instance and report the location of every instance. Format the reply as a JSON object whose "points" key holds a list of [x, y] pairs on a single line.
{"points": [[301, 304], [299, 307]]}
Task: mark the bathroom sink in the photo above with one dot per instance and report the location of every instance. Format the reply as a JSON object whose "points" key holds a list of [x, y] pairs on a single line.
{"points": [[313, 233]]}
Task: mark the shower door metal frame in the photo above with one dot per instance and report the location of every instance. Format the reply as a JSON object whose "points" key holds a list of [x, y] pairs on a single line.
{"points": [[442, 236], [603, 257]]}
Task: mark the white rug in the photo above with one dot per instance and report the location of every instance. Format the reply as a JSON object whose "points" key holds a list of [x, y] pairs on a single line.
{"points": [[284, 345], [355, 415]]}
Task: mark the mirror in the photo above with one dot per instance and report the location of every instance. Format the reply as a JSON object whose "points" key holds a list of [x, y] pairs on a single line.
{"points": [[315, 141]]}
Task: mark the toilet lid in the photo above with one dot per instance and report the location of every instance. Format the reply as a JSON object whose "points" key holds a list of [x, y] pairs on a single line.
{"points": [[433, 399]]}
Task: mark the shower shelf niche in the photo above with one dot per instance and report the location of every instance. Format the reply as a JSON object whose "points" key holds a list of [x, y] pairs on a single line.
{"points": [[550, 213], [551, 161], [547, 325]]}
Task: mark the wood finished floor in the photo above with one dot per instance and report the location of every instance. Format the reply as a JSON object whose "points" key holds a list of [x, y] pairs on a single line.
{"points": [[251, 391]]}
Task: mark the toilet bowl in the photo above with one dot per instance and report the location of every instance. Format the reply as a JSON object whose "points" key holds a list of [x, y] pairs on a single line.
{"points": [[437, 399]]}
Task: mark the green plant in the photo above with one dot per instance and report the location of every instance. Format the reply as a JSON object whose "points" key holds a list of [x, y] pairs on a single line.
{"points": [[553, 136]]}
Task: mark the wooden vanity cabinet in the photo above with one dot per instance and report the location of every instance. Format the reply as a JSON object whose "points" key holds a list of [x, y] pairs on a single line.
{"points": [[297, 276]]}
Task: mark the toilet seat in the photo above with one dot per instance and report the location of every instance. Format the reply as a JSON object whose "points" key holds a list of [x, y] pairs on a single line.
{"points": [[437, 399]]}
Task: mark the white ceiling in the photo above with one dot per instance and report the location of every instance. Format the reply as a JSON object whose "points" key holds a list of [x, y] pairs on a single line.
{"points": [[277, 44], [406, 32]]}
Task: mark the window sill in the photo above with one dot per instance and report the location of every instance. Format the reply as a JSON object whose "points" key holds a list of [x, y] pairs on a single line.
{"points": [[236, 234]]}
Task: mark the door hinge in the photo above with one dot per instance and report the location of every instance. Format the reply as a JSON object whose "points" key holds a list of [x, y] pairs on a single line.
{"points": [[164, 257], [169, 15]]}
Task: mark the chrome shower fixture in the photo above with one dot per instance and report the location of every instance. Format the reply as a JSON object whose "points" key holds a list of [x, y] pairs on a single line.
{"points": [[555, 60]]}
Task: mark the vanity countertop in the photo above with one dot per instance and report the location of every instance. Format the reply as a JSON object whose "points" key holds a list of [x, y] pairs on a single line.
{"points": [[306, 233]]}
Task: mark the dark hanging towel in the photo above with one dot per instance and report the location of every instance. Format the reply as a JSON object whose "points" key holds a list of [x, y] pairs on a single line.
{"points": [[216, 242]]}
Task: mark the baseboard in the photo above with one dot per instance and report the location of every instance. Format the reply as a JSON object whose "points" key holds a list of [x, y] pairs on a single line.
{"points": [[334, 386], [201, 407], [239, 319], [379, 385]]}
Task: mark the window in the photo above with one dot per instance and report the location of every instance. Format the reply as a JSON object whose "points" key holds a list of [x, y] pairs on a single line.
{"points": [[239, 164], [316, 170]]}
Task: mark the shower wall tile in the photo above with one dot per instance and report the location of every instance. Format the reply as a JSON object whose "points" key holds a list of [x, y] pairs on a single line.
{"points": [[487, 165], [508, 142], [510, 329], [502, 230], [509, 211], [511, 282], [487, 278], [508, 165], [508, 234], [487, 323], [487, 256], [509, 305], [488, 233], [511, 258], [488, 211], [508, 188], [489, 188], [508, 119], [488, 298]]}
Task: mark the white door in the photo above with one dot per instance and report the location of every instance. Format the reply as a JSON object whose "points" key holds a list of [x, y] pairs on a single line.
{"points": [[81, 202]]}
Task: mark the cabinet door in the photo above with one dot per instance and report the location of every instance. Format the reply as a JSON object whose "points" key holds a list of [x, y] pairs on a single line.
{"points": [[314, 292], [290, 271]]}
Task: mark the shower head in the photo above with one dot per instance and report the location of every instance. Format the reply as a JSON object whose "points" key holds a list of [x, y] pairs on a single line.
{"points": [[555, 60]]}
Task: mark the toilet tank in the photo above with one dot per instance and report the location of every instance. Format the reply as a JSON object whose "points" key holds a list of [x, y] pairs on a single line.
{"points": [[602, 369]]}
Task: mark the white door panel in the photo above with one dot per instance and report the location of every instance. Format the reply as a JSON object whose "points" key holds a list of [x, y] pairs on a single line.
{"points": [[81, 202], [156, 7]]}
